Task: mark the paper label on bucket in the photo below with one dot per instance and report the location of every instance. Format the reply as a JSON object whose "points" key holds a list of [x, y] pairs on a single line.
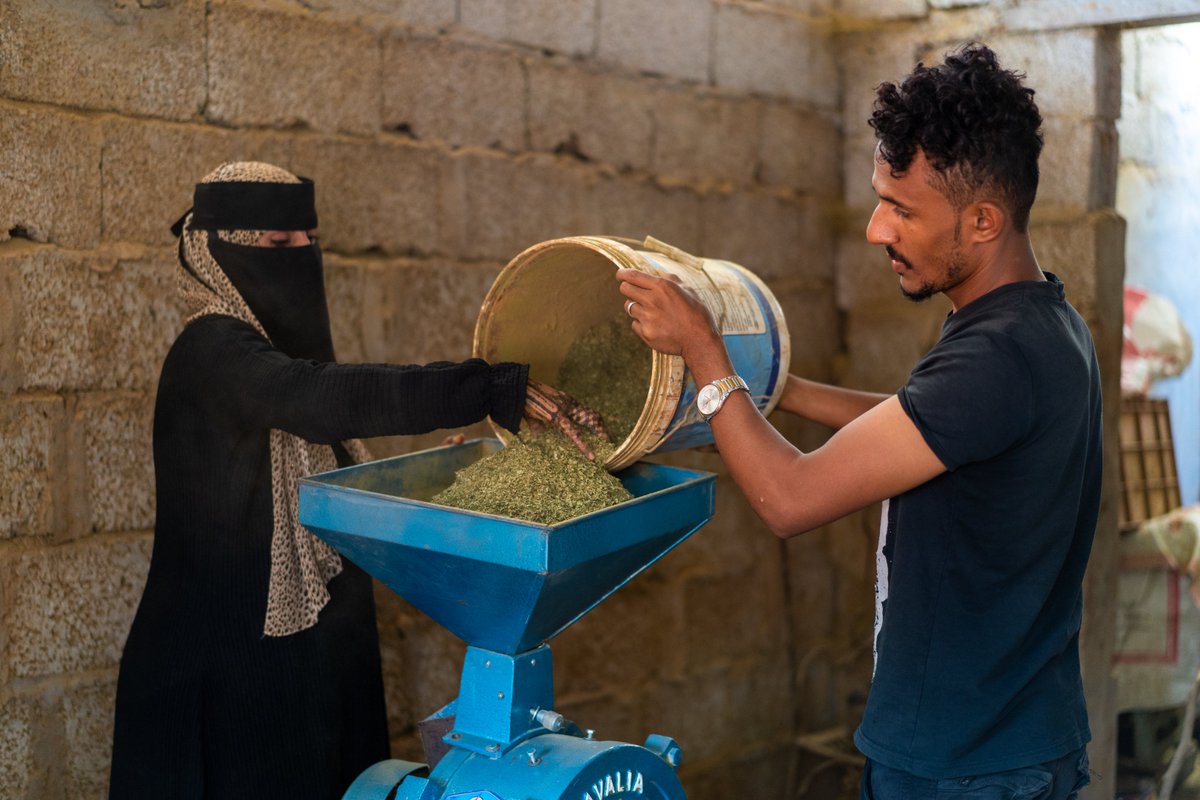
{"points": [[737, 311]]}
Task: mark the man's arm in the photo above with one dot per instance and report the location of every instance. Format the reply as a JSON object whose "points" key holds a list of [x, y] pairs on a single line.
{"points": [[831, 406], [876, 455]]}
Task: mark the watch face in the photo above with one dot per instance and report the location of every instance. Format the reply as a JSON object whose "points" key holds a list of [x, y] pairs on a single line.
{"points": [[708, 400]]}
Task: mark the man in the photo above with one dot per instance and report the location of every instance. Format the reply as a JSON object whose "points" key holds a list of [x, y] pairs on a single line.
{"points": [[990, 453]]}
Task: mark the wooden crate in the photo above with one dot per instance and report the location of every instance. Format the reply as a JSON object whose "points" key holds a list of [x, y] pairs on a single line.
{"points": [[1149, 483]]}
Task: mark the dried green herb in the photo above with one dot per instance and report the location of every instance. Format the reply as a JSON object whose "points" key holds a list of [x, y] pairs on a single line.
{"points": [[608, 368], [542, 479]]}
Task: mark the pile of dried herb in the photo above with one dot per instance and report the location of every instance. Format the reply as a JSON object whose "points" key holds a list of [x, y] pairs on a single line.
{"points": [[608, 368], [542, 479]]}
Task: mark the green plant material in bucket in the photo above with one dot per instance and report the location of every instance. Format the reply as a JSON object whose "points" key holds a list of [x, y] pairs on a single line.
{"points": [[542, 479], [607, 368]]}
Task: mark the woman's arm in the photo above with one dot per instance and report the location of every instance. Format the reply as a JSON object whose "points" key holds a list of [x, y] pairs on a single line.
{"points": [[326, 403]]}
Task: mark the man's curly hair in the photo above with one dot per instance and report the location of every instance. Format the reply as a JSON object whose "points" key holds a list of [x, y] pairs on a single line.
{"points": [[976, 123]]}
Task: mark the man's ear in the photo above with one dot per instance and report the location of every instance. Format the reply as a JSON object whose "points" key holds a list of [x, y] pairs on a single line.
{"points": [[983, 221]]}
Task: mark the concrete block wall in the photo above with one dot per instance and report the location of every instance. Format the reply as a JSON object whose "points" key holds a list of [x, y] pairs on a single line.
{"points": [[444, 137]]}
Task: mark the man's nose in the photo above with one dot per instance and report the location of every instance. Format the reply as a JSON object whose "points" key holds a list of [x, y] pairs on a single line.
{"points": [[878, 231]]}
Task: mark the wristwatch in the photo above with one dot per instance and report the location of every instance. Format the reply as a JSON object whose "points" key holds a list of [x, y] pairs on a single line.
{"points": [[712, 396]]}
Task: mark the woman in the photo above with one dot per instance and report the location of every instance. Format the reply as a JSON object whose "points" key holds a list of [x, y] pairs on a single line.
{"points": [[252, 667]]}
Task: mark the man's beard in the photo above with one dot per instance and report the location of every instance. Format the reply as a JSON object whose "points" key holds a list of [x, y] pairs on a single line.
{"points": [[928, 289]]}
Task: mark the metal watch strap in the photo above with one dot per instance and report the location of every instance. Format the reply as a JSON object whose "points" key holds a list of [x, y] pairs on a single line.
{"points": [[728, 385]]}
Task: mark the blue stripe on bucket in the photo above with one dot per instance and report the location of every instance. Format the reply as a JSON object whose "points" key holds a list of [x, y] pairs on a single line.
{"points": [[767, 314], [746, 351]]}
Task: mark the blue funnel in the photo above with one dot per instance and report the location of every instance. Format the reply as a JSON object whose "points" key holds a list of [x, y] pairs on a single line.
{"points": [[496, 583]]}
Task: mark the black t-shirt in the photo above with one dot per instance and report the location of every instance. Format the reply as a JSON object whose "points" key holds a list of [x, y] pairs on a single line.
{"points": [[977, 666]]}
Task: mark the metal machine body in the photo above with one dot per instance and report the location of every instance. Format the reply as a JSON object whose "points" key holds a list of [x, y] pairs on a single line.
{"points": [[505, 588]]}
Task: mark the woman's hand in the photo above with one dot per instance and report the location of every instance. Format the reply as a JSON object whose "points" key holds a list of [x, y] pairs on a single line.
{"points": [[545, 405]]}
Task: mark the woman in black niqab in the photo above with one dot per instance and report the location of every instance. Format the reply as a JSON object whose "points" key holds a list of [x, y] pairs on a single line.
{"points": [[252, 667]]}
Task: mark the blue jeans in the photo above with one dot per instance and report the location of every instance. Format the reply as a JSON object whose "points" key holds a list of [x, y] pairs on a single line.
{"points": [[1060, 779]]}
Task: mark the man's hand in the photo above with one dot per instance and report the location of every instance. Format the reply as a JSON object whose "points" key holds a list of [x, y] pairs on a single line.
{"points": [[670, 318], [547, 405]]}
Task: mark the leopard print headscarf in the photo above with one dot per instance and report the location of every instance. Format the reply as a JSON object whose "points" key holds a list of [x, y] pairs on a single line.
{"points": [[301, 564]]}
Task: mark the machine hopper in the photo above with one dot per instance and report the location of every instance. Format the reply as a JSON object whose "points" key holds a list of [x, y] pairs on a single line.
{"points": [[496, 583]]}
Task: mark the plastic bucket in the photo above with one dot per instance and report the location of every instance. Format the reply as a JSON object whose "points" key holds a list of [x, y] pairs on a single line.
{"points": [[554, 291]]}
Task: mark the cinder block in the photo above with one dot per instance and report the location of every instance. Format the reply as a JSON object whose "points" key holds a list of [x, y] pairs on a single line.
{"points": [[761, 51], [813, 584], [1047, 14], [668, 37], [801, 150], [884, 344], [116, 433], [88, 717], [954, 27], [765, 766], [1077, 164], [1060, 67], [92, 322], [345, 292], [563, 26], [771, 236], [864, 275], [866, 61], [635, 208], [496, 206], [717, 629], [733, 541], [30, 486], [417, 312], [456, 93], [596, 116], [614, 715], [97, 55], [422, 664], [601, 653], [850, 542], [883, 9], [291, 70], [812, 322], [858, 164], [1085, 253], [373, 196], [424, 13], [812, 8], [706, 138], [10, 324], [696, 711], [178, 157], [17, 769], [49, 180], [72, 605]]}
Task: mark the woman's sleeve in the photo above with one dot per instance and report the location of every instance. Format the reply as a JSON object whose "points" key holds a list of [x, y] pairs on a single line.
{"points": [[326, 403]]}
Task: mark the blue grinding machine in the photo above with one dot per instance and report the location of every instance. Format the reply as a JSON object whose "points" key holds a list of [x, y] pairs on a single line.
{"points": [[506, 588]]}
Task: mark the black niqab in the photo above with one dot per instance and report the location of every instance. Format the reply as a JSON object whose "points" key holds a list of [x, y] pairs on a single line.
{"points": [[285, 288]]}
